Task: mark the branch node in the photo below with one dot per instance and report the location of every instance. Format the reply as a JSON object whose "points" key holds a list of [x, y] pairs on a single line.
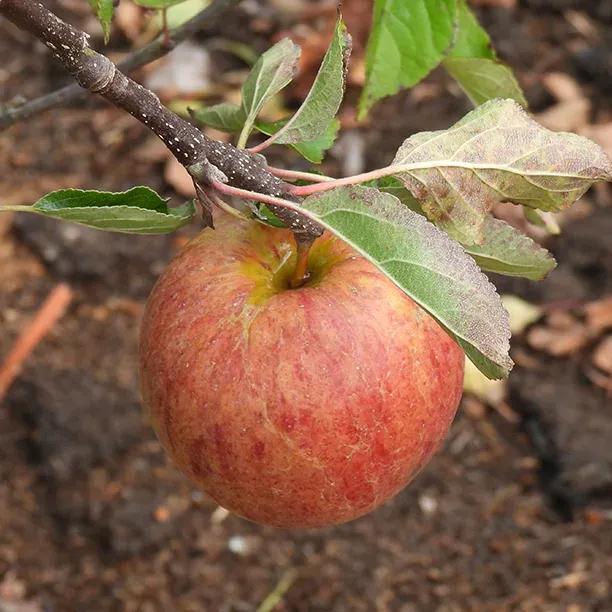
{"points": [[96, 73], [207, 173]]}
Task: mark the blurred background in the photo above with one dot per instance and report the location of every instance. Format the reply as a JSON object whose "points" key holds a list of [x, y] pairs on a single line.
{"points": [[515, 513]]}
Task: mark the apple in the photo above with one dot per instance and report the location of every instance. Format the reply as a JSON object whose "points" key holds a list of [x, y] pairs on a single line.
{"points": [[290, 407]]}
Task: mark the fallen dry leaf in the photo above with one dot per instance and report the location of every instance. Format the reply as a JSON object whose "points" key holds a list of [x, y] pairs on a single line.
{"points": [[562, 335], [562, 86], [129, 18], [567, 116], [161, 514], [185, 71], [178, 178], [601, 133], [522, 314], [573, 109], [569, 581], [602, 355], [19, 606], [476, 383], [593, 516], [598, 315], [515, 216], [599, 379], [582, 23]]}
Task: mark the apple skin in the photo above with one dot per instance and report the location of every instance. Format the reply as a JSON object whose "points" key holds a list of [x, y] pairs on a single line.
{"points": [[293, 407]]}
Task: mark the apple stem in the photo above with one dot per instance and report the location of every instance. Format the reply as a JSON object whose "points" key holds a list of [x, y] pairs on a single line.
{"points": [[300, 273]]}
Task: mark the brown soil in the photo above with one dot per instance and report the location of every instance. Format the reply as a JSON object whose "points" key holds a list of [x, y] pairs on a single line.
{"points": [[513, 514]]}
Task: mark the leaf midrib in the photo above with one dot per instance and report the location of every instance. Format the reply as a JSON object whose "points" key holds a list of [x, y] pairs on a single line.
{"points": [[431, 165], [321, 219]]}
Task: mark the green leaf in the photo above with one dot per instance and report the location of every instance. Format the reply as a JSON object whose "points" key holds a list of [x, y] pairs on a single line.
{"points": [[484, 79], [472, 62], [312, 120], [495, 153], [389, 184], [230, 118], [178, 11], [408, 39], [504, 250], [183, 12], [273, 71], [157, 4], [262, 213], [507, 251], [104, 10], [545, 220], [225, 117], [313, 150], [424, 263], [137, 211], [471, 39]]}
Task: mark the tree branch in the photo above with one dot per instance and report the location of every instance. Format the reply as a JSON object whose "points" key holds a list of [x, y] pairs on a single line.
{"points": [[207, 160], [205, 19]]}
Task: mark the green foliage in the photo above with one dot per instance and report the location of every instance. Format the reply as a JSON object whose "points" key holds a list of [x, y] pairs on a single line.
{"points": [[389, 184], [484, 79], [318, 111], [503, 250], [312, 150], [507, 251], [426, 264], [182, 12], [407, 41], [104, 10], [313, 128], [425, 221], [226, 117], [137, 211], [495, 153], [158, 4], [473, 63], [471, 40], [273, 71]]}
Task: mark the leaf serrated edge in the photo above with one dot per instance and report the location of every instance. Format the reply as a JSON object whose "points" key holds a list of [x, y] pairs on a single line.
{"points": [[488, 366]]}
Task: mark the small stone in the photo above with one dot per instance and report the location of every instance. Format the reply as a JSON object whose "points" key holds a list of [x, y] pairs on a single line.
{"points": [[238, 545], [428, 504]]}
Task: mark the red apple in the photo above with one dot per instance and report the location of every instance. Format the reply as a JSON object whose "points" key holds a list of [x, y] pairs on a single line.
{"points": [[293, 407]]}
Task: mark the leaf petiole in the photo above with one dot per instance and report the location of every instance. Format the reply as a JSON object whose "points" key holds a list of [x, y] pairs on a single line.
{"points": [[16, 208], [262, 145], [300, 273], [306, 190], [244, 135], [245, 194], [224, 206], [295, 175]]}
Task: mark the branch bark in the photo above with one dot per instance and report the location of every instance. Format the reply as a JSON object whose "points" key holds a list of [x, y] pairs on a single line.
{"points": [[206, 19], [207, 160]]}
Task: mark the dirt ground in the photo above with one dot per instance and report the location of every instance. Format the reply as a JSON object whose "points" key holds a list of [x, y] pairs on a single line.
{"points": [[515, 513]]}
